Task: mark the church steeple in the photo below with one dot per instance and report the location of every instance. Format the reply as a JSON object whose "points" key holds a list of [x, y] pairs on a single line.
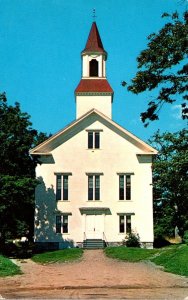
{"points": [[94, 91]]}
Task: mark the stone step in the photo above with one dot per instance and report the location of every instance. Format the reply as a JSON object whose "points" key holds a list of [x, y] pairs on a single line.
{"points": [[94, 244]]}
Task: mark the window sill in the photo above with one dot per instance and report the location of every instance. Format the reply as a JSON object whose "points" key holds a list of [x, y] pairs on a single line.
{"points": [[93, 149], [63, 200], [125, 201], [63, 233], [96, 201]]}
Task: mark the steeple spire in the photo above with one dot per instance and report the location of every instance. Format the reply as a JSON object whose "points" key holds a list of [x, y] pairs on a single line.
{"points": [[94, 43]]}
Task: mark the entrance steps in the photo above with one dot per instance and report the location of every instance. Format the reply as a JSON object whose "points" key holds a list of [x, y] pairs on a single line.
{"points": [[94, 244]]}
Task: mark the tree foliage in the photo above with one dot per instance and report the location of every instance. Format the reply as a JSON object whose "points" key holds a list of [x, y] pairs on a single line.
{"points": [[17, 170], [170, 170], [163, 67]]}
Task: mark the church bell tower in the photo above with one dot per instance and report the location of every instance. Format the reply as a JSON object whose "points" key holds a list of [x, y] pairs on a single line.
{"points": [[94, 91]]}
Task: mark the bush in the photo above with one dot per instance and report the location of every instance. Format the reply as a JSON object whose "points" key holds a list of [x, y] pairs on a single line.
{"points": [[132, 240], [160, 242], [185, 237], [17, 250]]}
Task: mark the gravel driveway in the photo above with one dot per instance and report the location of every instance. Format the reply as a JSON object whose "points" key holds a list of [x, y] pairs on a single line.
{"points": [[95, 276]]}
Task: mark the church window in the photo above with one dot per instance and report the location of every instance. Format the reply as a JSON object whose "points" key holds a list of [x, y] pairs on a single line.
{"points": [[125, 186], [125, 224], [62, 186], [62, 224], [93, 187], [93, 68], [93, 140]]}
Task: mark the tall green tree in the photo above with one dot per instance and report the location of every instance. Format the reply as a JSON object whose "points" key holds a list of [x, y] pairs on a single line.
{"points": [[170, 182], [17, 170], [163, 68]]}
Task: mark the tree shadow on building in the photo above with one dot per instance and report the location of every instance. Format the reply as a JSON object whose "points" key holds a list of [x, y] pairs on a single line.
{"points": [[45, 236]]}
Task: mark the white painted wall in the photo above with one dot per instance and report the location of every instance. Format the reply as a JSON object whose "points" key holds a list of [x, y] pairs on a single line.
{"points": [[101, 103], [115, 155]]}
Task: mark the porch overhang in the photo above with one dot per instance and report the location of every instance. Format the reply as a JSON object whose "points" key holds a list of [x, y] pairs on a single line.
{"points": [[95, 211]]}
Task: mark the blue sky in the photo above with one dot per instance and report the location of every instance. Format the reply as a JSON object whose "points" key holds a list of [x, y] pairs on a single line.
{"points": [[40, 62]]}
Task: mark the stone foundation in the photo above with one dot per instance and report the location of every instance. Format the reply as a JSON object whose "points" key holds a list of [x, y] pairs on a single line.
{"points": [[114, 244], [43, 246], [147, 245]]}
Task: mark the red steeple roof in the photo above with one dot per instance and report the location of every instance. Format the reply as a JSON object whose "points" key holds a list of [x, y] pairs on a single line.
{"points": [[94, 85], [94, 43]]}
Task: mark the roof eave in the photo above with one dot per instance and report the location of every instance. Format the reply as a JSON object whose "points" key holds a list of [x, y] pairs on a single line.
{"points": [[94, 52], [149, 153], [39, 153]]}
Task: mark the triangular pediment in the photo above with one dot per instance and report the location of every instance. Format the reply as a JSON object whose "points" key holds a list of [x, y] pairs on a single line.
{"points": [[82, 123]]}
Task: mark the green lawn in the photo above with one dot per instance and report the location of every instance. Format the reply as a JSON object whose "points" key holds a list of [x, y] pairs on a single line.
{"points": [[8, 268], [174, 258], [130, 254], [65, 255]]}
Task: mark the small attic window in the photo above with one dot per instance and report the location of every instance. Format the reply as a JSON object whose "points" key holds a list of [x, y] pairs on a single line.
{"points": [[93, 140], [93, 68]]}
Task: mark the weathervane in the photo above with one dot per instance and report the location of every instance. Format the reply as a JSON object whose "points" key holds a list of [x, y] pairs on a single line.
{"points": [[94, 15]]}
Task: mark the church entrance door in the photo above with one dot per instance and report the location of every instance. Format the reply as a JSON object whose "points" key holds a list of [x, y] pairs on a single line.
{"points": [[94, 226]]}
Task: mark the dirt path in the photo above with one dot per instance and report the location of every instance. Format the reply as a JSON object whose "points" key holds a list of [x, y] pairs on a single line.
{"points": [[93, 277]]}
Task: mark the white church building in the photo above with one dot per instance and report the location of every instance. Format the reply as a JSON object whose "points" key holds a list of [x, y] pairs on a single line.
{"points": [[95, 176]]}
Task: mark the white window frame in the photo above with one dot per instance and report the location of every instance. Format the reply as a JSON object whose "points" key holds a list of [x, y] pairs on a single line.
{"points": [[63, 218], [127, 186], [92, 142], [93, 196], [127, 219], [60, 182]]}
